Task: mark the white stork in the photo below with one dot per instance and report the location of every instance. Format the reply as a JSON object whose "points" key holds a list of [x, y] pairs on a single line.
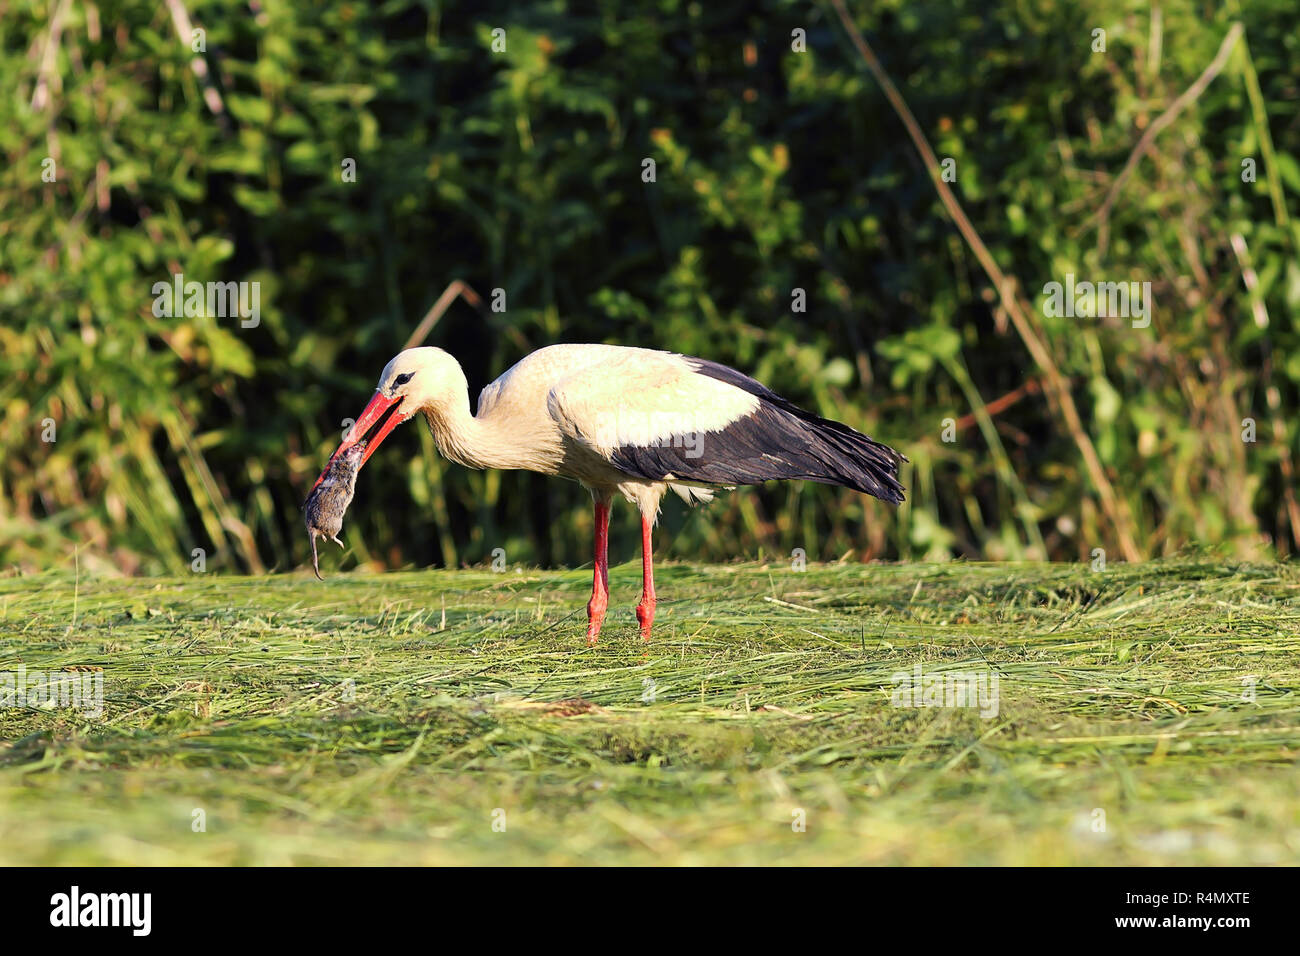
{"points": [[628, 420]]}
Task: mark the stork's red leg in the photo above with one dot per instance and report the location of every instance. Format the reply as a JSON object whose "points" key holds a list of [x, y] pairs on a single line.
{"points": [[599, 575], [645, 611]]}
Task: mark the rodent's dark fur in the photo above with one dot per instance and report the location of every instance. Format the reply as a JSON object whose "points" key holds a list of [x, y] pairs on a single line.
{"points": [[324, 508]]}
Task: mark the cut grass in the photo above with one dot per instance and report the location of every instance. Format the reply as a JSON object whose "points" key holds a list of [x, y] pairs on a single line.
{"points": [[397, 718]]}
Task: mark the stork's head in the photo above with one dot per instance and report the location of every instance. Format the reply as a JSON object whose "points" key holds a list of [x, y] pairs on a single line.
{"points": [[414, 380]]}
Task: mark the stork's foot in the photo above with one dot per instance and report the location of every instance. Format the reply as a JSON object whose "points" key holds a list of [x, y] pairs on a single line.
{"points": [[595, 617], [645, 616]]}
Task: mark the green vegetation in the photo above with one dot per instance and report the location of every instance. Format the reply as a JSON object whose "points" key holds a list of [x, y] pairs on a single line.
{"points": [[383, 719], [522, 170]]}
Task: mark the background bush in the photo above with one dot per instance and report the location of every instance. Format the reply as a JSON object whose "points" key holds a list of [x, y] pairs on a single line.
{"points": [[521, 171]]}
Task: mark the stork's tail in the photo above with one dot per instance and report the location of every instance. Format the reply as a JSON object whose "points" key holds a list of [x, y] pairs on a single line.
{"points": [[852, 459]]}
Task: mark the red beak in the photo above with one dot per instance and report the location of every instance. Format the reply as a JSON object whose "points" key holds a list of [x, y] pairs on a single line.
{"points": [[379, 406]]}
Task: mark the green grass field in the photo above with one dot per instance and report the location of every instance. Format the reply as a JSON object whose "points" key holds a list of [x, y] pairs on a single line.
{"points": [[396, 718]]}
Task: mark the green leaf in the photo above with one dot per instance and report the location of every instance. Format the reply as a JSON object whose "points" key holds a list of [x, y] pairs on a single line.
{"points": [[1289, 171]]}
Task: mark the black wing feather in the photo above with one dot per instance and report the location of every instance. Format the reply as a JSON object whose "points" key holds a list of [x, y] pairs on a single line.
{"points": [[778, 440]]}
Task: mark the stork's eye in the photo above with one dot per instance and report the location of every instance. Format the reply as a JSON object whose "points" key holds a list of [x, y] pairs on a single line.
{"points": [[402, 379]]}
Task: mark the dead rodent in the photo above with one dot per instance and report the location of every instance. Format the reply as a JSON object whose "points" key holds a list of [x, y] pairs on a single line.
{"points": [[324, 508]]}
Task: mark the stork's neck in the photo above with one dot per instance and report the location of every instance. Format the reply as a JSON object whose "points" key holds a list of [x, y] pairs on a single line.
{"points": [[469, 441]]}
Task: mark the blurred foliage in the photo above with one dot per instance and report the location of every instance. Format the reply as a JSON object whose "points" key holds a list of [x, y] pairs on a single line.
{"points": [[521, 170]]}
